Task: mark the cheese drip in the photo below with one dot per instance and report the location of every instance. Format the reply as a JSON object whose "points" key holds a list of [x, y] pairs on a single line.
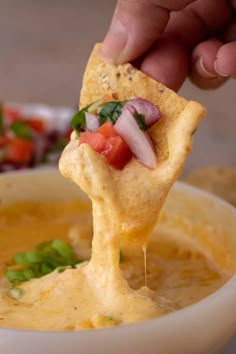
{"points": [[96, 293]]}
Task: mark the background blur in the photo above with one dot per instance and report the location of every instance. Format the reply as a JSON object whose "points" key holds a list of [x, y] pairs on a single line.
{"points": [[44, 46]]}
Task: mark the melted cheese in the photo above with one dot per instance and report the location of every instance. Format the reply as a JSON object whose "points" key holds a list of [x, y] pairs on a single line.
{"points": [[102, 292]]}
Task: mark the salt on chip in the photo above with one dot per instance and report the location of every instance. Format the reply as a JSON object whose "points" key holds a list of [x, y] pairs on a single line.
{"points": [[134, 195]]}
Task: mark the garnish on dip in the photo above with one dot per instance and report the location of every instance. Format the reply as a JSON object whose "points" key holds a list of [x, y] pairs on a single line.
{"points": [[46, 257]]}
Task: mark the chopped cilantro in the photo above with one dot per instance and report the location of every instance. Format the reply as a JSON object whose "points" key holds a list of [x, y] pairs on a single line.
{"points": [[111, 111], [140, 119], [78, 122]]}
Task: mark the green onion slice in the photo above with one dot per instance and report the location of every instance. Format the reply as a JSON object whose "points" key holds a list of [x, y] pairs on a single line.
{"points": [[46, 257]]}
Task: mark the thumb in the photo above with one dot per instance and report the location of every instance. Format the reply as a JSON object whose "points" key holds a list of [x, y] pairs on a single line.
{"points": [[135, 26]]}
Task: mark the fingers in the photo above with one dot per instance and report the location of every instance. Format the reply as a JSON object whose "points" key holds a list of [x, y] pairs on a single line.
{"points": [[134, 28], [203, 72], [230, 33], [137, 25], [192, 24], [215, 14], [225, 63], [173, 5], [167, 62], [187, 26]]}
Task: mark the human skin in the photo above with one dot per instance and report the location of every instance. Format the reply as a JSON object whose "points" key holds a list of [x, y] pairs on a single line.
{"points": [[171, 39]]}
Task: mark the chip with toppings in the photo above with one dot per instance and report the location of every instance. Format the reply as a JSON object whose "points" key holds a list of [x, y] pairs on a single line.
{"points": [[126, 89]]}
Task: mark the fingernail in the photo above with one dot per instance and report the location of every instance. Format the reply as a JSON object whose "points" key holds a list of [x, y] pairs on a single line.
{"points": [[219, 71], [115, 42], [203, 71]]}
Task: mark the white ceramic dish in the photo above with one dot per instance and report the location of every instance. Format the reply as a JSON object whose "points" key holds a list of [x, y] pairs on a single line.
{"points": [[202, 328], [59, 117]]}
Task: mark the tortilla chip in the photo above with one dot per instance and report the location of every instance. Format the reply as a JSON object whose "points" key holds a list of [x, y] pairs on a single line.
{"points": [[125, 82], [134, 195], [220, 181]]}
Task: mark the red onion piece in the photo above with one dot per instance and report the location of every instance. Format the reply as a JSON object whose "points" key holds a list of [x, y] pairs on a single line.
{"points": [[138, 141], [149, 110], [92, 122]]}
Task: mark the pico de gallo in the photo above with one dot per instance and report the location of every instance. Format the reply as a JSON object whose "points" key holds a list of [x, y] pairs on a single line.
{"points": [[26, 142], [119, 130]]}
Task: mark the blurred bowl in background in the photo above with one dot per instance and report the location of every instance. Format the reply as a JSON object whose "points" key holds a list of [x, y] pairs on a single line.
{"points": [[32, 135]]}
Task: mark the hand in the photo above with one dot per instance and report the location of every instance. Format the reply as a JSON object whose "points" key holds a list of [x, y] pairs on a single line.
{"points": [[171, 39]]}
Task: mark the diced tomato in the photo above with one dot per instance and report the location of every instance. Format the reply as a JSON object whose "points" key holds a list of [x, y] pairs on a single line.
{"points": [[4, 140], [11, 115], [107, 130], [19, 150], [117, 152], [38, 125], [107, 142], [96, 140]]}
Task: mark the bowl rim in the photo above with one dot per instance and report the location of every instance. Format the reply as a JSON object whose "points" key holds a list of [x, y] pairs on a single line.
{"points": [[147, 324], [178, 184]]}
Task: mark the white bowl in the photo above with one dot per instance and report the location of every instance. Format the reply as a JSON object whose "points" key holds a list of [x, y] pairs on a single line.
{"points": [[202, 328], [54, 116]]}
